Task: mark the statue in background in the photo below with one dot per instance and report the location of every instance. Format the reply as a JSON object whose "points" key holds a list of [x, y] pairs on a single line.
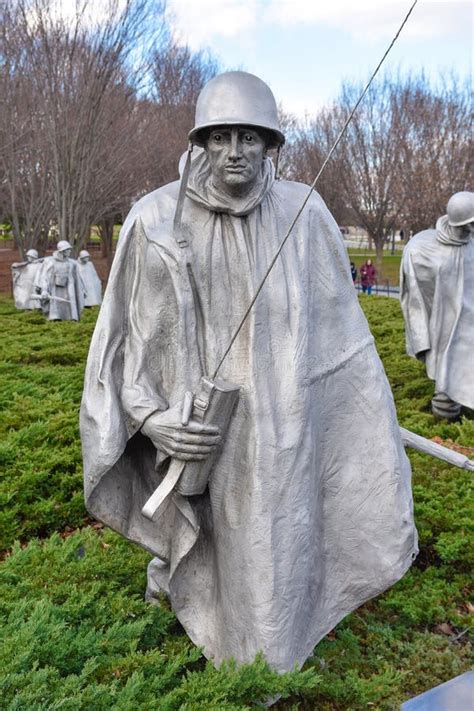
{"points": [[60, 286], [437, 297], [23, 280], [308, 509], [90, 279]]}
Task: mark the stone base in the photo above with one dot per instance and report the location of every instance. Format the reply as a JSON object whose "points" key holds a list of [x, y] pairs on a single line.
{"points": [[455, 695]]}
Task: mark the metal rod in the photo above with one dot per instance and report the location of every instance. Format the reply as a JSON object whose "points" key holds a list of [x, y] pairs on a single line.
{"points": [[310, 190], [421, 444]]}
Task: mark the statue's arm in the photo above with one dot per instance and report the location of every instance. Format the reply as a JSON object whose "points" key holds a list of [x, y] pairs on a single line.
{"points": [[42, 280], [415, 310]]}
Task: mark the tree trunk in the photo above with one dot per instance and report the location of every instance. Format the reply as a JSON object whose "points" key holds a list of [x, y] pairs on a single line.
{"points": [[379, 255], [106, 231]]}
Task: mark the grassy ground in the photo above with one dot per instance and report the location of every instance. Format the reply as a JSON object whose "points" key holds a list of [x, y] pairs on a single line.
{"points": [[76, 631]]}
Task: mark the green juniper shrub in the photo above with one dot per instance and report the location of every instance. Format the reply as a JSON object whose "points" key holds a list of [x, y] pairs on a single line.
{"points": [[78, 635], [76, 631]]}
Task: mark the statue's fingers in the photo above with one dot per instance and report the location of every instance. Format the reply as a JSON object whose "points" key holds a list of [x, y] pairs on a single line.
{"points": [[196, 438], [189, 457], [186, 448], [197, 427]]}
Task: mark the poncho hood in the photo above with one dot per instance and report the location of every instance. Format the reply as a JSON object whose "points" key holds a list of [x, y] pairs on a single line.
{"points": [[447, 234], [201, 190]]}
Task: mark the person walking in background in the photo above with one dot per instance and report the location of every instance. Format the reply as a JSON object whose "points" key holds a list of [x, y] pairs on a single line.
{"points": [[368, 276], [353, 272]]}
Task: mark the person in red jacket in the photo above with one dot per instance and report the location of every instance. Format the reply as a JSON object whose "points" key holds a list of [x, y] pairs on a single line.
{"points": [[368, 276]]}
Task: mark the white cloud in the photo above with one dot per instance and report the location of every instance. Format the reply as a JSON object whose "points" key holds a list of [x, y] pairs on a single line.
{"points": [[373, 19], [85, 13], [197, 22]]}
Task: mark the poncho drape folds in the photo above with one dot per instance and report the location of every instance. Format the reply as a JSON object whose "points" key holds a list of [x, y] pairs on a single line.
{"points": [[92, 283], [308, 512]]}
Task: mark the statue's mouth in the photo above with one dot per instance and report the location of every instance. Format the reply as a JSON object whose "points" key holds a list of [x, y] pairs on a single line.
{"points": [[235, 168]]}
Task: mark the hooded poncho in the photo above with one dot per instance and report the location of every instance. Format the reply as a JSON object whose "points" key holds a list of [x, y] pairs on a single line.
{"points": [[59, 279], [308, 512], [24, 275], [437, 297], [91, 281]]}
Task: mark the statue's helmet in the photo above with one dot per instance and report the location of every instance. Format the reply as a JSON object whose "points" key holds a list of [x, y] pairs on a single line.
{"points": [[32, 253], [83, 254], [233, 99], [460, 209], [63, 244]]}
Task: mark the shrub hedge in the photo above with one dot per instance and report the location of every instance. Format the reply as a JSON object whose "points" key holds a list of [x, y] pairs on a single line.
{"points": [[76, 631]]}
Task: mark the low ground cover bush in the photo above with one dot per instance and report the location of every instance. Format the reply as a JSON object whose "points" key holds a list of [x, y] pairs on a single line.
{"points": [[76, 631], [41, 373]]}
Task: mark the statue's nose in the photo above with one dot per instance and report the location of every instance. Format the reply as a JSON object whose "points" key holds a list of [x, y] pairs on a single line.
{"points": [[235, 145]]}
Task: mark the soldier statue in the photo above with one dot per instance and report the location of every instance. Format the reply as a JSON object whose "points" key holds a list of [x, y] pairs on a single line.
{"points": [[60, 286], [437, 297], [90, 279], [307, 509], [23, 281]]}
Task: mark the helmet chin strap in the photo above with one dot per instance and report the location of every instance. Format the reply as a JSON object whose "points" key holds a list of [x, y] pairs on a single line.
{"points": [[277, 162], [177, 232]]}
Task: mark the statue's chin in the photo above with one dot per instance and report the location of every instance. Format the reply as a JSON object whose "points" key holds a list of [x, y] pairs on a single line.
{"points": [[235, 184]]}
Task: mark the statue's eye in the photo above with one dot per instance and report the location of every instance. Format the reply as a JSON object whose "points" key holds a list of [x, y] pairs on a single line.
{"points": [[217, 137], [248, 138]]}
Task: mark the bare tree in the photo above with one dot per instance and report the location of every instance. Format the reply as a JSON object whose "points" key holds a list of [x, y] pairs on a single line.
{"points": [[309, 144], [84, 74], [407, 149], [368, 156], [25, 166], [437, 153], [177, 77]]}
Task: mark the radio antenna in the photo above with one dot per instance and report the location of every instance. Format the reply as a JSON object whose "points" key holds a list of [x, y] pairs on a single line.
{"points": [[310, 190]]}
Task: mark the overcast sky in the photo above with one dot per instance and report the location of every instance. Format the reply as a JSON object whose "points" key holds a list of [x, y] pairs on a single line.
{"points": [[305, 48]]}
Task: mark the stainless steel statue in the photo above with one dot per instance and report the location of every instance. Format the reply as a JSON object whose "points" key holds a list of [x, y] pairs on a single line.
{"points": [[90, 279], [60, 286], [23, 281], [437, 296], [308, 508]]}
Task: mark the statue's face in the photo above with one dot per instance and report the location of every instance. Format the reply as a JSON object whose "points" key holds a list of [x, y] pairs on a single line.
{"points": [[467, 230], [30, 258], [84, 260], [235, 156], [65, 253]]}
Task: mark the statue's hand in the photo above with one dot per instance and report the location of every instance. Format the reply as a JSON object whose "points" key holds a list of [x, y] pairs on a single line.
{"points": [[190, 442]]}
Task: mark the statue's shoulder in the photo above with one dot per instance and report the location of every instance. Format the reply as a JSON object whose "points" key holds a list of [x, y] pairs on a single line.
{"points": [[155, 212], [291, 189], [156, 207], [293, 195], [421, 242]]}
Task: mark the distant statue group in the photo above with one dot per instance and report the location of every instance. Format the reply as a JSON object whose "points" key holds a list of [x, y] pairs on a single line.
{"points": [[57, 285]]}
